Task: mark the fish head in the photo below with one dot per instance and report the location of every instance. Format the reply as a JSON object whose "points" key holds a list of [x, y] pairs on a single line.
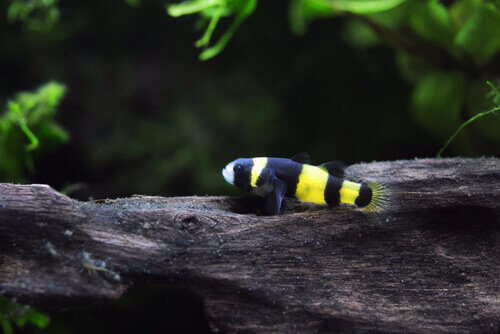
{"points": [[238, 173]]}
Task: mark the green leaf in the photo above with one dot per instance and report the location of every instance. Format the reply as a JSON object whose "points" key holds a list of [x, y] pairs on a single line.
{"points": [[490, 128], [364, 6], [7, 328], [358, 34], [431, 22], [133, 3], [494, 94], [53, 132], [37, 15], [214, 10], [479, 98], [20, 315], [192, 7], [52, 93], [205, 40], [437, 102], [245, 10], [301, 12], [486, 129], [412, 69], [461, 10], [38, 319], [30, 115], [21, 121], [479, 36]]}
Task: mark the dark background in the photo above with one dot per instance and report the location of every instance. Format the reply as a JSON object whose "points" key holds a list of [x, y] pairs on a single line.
{"points": [[145, 116]]}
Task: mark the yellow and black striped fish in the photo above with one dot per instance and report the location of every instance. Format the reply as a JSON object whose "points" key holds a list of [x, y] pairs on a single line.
{"points": [[276, 178]]}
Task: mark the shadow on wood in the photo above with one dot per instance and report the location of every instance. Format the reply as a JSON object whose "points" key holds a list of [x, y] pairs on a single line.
{"points": [[431, 265]]}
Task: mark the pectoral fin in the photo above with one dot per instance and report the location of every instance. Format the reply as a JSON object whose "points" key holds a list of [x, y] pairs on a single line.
{"points": [[273, 202], [265, 177]]}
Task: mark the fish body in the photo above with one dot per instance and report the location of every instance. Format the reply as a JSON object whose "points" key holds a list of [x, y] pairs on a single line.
{"points": [[276, 178]]}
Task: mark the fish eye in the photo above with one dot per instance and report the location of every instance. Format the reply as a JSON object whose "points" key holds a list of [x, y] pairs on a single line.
{"points": [[237, 168]]}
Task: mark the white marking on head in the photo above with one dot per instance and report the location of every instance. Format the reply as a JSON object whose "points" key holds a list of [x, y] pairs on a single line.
{"points": [[228, 173]]}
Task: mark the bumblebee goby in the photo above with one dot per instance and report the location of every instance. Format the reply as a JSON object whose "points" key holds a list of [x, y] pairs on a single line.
{"points": [[276, 178]]}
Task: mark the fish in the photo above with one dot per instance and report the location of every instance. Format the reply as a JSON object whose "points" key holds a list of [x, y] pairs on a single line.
{"points": [[277, 178]]}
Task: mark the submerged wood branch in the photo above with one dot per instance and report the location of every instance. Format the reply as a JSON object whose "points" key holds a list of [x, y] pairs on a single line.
{"points": [[432, 265]]}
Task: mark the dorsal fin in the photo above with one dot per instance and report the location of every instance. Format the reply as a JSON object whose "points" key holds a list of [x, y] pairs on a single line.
{"points": [[302, 158], [334, 168]]}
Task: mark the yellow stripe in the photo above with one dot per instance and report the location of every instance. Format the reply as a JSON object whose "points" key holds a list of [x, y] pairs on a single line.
{"points": [[349, 192], [258, 165], [312, 184]]}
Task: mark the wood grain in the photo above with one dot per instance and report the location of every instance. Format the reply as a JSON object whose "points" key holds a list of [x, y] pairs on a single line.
{"points": [[431, 265]]}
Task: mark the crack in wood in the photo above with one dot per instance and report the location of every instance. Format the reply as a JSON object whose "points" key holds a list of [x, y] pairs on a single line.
{"points": [[432, 265]]}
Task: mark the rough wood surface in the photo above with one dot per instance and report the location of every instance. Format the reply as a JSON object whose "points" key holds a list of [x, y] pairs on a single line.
{"points": [[433, 265]]}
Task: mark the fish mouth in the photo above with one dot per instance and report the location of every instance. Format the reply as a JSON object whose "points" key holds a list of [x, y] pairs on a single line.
{"points": [[228, 174]]}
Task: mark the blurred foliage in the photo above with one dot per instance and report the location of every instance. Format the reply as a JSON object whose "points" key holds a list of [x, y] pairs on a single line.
{"points": [[35, 26], [357, 80], [210, 12], [133, 3], [142, 309], [495, 96], [29, 118], [38, 15], [186, 142], [441, 48], [437, 102], [302, 12], [19, 315]]}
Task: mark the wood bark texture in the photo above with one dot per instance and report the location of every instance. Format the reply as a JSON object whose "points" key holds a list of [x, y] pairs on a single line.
{"points": [[431, 265]]}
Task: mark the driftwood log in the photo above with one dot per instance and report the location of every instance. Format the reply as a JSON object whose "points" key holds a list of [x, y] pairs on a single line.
{"points": [[432, 265]]}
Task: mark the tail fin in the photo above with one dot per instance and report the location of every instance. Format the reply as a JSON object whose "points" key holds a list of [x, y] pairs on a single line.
{"points": [[380, 202]]}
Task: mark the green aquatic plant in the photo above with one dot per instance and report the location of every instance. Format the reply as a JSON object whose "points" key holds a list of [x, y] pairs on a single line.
{"points": [[210, 12], [444, 50], [495, 96], [301, 12], [37, 15], [12, 313], [27, 128]]}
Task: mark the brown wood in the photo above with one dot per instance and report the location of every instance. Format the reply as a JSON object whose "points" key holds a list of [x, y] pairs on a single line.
{"points": [[432, 265]]}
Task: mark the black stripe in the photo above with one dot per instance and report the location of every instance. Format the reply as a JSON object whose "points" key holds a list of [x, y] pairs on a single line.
{"points": [[264, 177], [365, 195], [287, 171], [332, 191], [243, 179]]}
